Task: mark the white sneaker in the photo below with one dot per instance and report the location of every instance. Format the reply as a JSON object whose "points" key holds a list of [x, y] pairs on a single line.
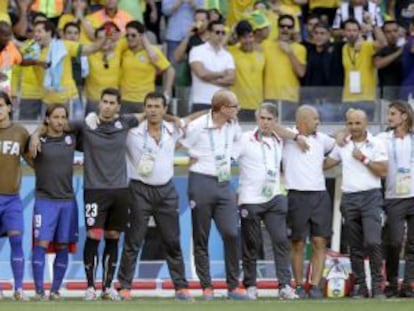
{"points": [[287, 292], [252, 292], [110, 294], [90, 294]]}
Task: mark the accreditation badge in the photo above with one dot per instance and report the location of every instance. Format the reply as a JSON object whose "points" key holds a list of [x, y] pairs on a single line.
{"points": [[223, 168], [355, 82], [269, 185], [146, 164], [403, 181]]}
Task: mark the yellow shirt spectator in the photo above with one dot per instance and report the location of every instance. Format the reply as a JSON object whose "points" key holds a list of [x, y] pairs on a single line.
{"points": [[361, 63], [237, 9], [248, 85], [25, 83], [69, 90], [138, 73], [294, 7], [103, 74], [280, 80], [5, 17], [66, 18], [323, 4], [273, 18], [4, 6], [100, 17]]}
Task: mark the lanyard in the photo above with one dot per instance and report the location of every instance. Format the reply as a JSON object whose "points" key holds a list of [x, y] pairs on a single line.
{"points": [[276, 155], [352, 58], [211, 138], [394, 149]]}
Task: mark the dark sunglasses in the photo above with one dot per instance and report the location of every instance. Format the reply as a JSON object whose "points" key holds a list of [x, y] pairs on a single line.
{"points": [[285, 26], [220, 32]]}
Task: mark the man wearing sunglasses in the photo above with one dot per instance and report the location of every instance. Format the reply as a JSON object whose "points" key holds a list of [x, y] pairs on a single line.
{"points": [[285, 65], [212, 67]]}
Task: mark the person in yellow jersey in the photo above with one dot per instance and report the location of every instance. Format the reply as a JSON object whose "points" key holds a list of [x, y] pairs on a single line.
{"points": [[237, 9], [325, 9], [285, 65], [109, 13], [26, 87], [78, 11], [248, 85], [360, 75], [104, 69], [261, 26], [52, 9], [54, 65], [139, 70]]}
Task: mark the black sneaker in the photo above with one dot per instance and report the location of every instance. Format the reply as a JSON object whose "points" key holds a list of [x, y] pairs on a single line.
{"points": [[407, 290], [360, 291], [391, 291]]}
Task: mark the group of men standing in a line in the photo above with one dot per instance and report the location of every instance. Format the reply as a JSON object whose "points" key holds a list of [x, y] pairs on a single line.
{"points": [[128, 171]]}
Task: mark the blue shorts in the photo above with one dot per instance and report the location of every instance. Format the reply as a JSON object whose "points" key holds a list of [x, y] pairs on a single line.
{"points": [[11, 214], [55, 221]]}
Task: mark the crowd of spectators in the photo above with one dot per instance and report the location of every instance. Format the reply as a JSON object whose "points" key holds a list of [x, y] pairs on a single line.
{"points": [[331, 54]]}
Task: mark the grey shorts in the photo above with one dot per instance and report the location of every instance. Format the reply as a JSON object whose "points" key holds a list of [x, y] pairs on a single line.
{"points": [[309, 213]]}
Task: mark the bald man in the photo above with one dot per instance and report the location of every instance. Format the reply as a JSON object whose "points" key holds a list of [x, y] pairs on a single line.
{"points": [[210, 140], [309, 204], [364, 161]]}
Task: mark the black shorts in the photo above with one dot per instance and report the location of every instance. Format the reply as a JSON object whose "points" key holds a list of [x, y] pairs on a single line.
{"points": [[309, 212], [106, 208]]}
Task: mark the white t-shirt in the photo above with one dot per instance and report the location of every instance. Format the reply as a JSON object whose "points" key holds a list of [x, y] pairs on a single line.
{"points": [[356, 176], [304, 170], [215, 61]]}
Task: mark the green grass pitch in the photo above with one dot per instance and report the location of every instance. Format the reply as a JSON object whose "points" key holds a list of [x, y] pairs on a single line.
{"points": [[166, 304]]}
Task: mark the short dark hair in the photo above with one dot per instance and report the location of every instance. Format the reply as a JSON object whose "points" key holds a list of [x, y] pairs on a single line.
{"points": [[390, 22], [312, 16], [243, 28], [6, 98], [112, 91], [286, 16], [351, 21], [201, 11], [138, 26], [48, 26], [213, 23], [51, 108], [322, 25], [156, 95], [71, 24]]}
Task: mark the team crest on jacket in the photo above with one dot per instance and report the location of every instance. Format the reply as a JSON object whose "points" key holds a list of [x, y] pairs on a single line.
{"points": [[244, 213], [118, 124], [68, 140]]}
